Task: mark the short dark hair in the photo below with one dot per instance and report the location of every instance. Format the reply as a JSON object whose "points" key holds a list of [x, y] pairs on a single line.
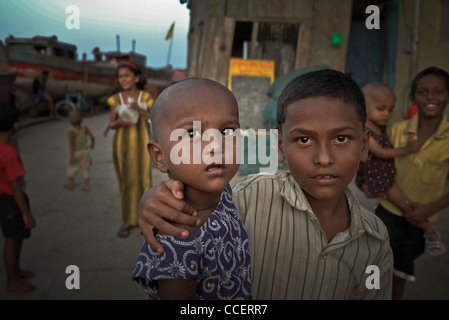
{"points": [[321, 83], [431, 70], [9, 115]]}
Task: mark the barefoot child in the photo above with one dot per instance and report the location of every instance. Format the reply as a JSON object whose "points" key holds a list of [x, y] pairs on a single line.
{"points": [[80, 159], [15, 214]]}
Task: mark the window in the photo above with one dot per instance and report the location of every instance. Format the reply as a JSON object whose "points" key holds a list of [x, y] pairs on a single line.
{"points": [[271, 41]]}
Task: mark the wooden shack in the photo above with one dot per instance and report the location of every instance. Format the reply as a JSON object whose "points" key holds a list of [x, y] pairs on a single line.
{"points": [[292, 33], [412, 35]]}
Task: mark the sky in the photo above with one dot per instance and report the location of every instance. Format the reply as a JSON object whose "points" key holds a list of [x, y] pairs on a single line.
{"points": [[100, 21]]}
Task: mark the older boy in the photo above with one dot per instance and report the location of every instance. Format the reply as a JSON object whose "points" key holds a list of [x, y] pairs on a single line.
{"points": [[309, 236], [422, 176]]}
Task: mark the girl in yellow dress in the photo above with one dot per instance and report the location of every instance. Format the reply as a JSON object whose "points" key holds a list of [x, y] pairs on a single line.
{"points": [[130, 111]]}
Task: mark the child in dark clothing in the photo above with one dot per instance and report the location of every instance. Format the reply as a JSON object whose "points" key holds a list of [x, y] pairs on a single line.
{"points": [[214, 263]]}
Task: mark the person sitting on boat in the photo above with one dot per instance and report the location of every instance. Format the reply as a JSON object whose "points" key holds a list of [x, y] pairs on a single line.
{"points": [[41, 95]]}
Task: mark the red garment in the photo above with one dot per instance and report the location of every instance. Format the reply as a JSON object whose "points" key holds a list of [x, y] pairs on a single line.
{"points": [[11, 167], [412, 110]]}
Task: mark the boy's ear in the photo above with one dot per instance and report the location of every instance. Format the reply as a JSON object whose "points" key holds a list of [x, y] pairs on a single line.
{"points": [[365, 148], [281, 155], [156, 155]]}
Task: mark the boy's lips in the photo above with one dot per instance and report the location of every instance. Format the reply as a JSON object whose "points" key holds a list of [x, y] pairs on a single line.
{"points": [[215, 169], [324, 179]]}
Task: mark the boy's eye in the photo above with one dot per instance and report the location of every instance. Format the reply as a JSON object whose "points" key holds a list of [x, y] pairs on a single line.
{"points": [[227, 132], [341, 139], [193, 133], [304, 140]]}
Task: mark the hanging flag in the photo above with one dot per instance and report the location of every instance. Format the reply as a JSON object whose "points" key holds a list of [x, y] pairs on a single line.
{"points": [[170, 32]]}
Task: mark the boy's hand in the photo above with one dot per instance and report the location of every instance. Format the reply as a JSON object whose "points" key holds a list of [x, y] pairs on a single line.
{"points": [[161, 203], [29, 221], [418, 214], [414, 145]]}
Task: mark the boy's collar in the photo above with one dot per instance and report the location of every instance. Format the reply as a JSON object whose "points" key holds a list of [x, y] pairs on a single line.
{"points": [[294, 195]]}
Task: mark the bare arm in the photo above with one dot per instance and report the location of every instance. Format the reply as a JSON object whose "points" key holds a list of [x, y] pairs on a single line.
{"points": [[139, 110], [422, 212], [177, 289], [115, 121], [399, 198], [91, 136], [165, 202], [19, 197], [388, 153]]}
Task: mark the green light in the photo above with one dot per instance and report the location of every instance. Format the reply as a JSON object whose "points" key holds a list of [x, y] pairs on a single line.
{"points": [[336, 39]]}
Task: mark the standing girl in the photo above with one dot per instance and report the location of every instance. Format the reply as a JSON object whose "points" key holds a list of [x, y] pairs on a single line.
{"points": [[130, 111]]}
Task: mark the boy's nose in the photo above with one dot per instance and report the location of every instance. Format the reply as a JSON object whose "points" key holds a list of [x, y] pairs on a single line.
{"points": [[323, 156], [213, 144]]}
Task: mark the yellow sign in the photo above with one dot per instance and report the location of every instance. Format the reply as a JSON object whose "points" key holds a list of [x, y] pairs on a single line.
{"points": [[250, 67]]}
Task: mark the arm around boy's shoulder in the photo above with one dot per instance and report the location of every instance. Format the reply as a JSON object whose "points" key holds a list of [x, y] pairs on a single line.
{"points": [[255, 188]]}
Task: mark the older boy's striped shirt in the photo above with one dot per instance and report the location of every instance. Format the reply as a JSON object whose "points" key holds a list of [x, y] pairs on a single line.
{"points": [[290, 255]]}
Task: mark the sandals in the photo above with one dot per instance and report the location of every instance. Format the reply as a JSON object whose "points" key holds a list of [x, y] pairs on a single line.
{"points": [[434, 248], [124, 231]]}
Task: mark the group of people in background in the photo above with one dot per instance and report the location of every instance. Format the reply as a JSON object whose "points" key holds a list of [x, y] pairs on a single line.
{"points": [[131, 162], [299, 234]]}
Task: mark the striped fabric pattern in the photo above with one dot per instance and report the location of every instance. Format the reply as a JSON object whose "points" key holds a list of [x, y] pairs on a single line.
{"points": [[291, 257]]}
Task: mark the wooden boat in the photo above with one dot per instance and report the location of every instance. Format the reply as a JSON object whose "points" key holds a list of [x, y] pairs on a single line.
{"points": [[95, 79], [67, 74]]}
